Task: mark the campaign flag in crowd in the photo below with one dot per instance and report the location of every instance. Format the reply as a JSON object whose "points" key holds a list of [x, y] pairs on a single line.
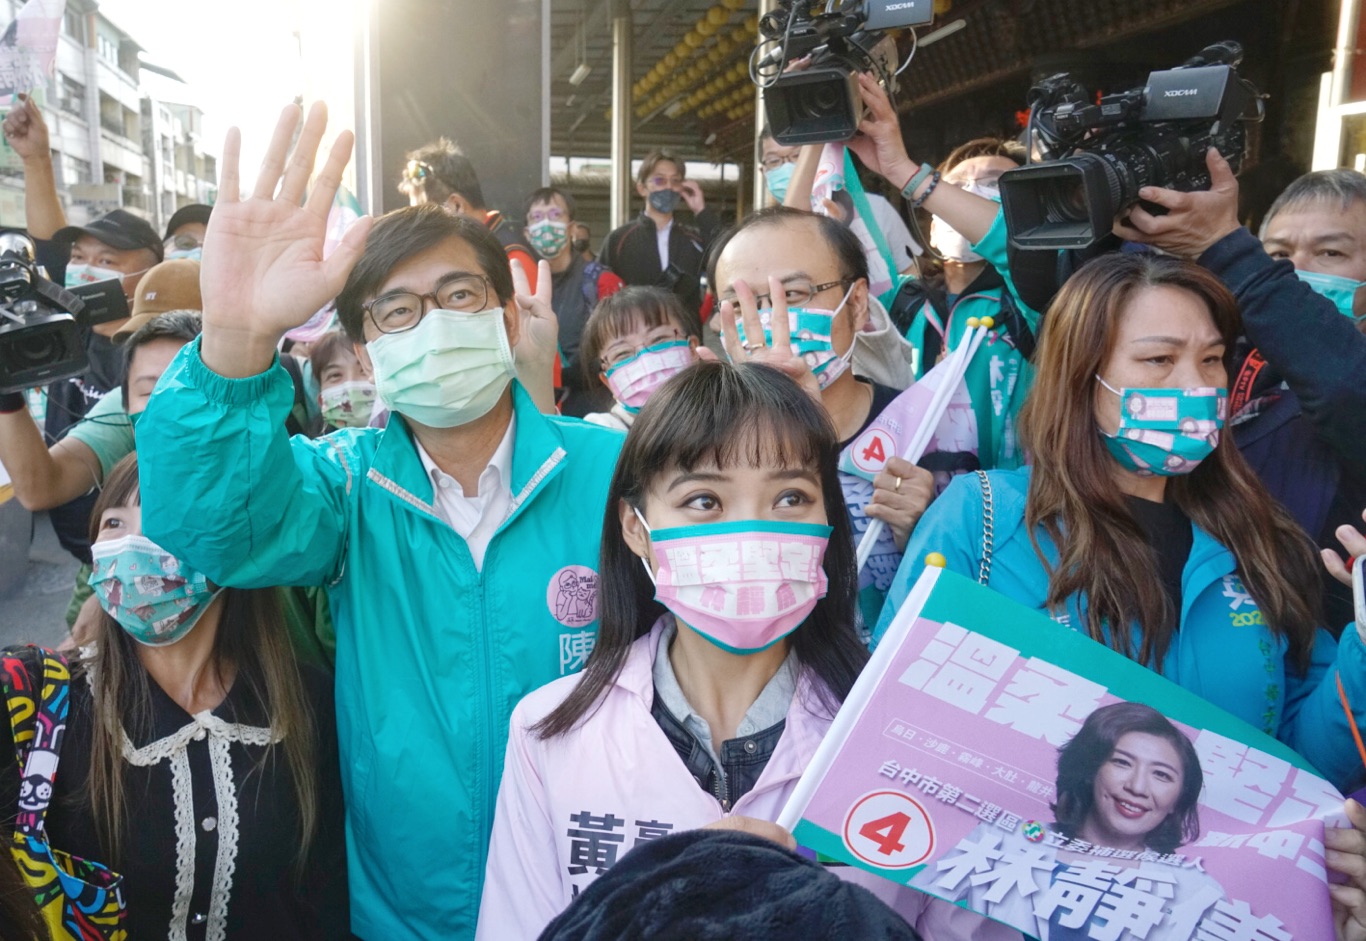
{"points": [[951, 443], [344, 213], [835, 172], [983, 755], [28, 50]]}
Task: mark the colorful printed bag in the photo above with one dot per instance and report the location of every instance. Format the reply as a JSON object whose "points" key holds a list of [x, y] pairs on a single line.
{"points": [[80, 900]]}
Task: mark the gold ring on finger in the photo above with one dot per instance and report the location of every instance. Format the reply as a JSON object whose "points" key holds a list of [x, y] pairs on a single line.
{"points": [[897, 488]]}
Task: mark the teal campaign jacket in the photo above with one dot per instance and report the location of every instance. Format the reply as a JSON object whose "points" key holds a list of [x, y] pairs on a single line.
{"points": [[1222, 651], [432, 654], [998, 378]]}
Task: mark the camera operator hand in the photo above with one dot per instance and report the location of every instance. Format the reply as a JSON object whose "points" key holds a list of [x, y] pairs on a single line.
{"points": [[879, 145], [26, 131], [1194, 221], [263, 271]]}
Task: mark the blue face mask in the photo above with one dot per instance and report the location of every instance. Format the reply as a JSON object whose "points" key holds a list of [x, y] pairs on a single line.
{"points": [[1341, 291], [1166, 432], [154, 596], [189, 254], [777, 180]]}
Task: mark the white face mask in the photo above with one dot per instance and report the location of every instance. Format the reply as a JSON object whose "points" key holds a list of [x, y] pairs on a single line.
{"points": [[78, 274], [947, 240], [449, 370]]}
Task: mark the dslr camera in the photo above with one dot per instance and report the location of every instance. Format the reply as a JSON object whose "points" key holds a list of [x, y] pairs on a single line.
{"points": [[821, 103], [41, 322], [1098, 153]]}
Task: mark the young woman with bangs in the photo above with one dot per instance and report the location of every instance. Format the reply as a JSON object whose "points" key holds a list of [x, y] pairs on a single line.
{"points": [[727, 643]]}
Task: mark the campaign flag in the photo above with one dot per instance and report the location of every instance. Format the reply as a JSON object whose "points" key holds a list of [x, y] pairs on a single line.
{"points": [[982, 757], [28, 49], [835, 172], [889, 435], [343, 214]]}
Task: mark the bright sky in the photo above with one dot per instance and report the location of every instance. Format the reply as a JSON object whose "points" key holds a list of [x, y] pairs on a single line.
{"points": [[240, 60]]}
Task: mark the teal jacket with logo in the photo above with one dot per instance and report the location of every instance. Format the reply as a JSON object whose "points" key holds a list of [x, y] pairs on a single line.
{"points": [[1222, 650], [432, 654], [998, 378]]}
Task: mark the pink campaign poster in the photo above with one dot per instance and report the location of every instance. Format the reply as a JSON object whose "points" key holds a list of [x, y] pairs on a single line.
{"points": [[993, 758]]}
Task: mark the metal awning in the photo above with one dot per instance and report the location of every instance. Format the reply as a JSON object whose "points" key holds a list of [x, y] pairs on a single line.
{"points": [[692, 92]]}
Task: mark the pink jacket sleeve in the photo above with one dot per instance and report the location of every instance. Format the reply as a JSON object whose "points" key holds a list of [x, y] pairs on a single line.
{"points": [[522, 889]]}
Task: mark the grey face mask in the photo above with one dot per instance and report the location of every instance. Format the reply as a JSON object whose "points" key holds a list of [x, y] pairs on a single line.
{"points": [[665, 201]]}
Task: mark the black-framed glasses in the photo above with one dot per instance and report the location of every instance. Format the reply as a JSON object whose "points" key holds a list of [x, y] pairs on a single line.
{"points": [[796, 293], [403, 310], [774, 161]]}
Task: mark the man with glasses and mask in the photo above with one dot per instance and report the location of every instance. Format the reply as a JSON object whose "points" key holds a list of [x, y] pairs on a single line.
{"points": [[440, 173], [443, 540], [578, 286], [814, 269], [185, 232], [655, 249]]}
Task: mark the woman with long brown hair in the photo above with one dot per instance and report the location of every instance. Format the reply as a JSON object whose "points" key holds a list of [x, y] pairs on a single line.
{"points": [[199, 758], [1138, 512]]}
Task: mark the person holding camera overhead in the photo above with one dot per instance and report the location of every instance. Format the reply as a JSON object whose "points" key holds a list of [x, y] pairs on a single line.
{"points": [[117, 245]]}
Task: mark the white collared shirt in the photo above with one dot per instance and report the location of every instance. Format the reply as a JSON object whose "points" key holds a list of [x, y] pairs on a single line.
{"points": [[662, 239], [476, 519]]}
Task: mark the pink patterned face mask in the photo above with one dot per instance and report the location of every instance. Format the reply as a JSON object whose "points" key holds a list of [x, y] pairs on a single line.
{"points": [[743, 585], [632, 380]]}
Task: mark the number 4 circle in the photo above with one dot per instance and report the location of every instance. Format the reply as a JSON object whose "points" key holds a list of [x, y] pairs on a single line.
{"points": [[870, 452], [889, 830]]}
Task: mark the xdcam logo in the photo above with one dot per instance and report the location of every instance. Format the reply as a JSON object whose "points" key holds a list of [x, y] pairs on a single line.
{"points": [[1180, 92]]}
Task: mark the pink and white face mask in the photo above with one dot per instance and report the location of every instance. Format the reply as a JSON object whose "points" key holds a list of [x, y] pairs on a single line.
{"points": [[743, 585], [633, 380]]}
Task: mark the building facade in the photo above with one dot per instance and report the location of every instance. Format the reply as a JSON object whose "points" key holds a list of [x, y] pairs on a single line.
{"points": [[113, 145]]}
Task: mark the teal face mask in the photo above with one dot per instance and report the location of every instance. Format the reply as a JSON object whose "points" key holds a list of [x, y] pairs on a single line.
{"points": [[809, 331], [1166, 432], [1341, 291], [155, 597], [777, 180]]}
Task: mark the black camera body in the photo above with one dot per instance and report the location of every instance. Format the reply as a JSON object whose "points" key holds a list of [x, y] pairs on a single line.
{"points": [[1100, 154], [42, 323], [821, 103]]}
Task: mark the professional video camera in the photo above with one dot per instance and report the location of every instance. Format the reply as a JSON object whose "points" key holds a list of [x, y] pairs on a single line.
{"points": [[821, 102], [1098, 155], [41, 321]]}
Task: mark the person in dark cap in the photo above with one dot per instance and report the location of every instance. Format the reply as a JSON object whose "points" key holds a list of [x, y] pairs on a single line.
{"points": [[709, 885], [185, 231], [118, 245]]}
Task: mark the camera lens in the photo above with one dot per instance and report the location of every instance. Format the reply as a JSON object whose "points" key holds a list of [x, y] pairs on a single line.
{"points": [[819, 100], [1064, 199], [26, 351]]}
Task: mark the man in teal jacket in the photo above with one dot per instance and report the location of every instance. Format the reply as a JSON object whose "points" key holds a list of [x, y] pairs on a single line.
{"points": [[459, 546]]}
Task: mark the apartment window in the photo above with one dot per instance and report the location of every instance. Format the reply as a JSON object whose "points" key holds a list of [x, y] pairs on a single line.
{"points": [[71, 95], [73, 170], [73, 24], [108, 49]]}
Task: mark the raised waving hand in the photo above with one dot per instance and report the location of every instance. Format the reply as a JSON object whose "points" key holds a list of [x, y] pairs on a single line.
{"points": [[263, 271]]}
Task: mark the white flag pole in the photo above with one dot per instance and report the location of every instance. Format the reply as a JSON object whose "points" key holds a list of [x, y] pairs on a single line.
{"points": [[957, 367]]}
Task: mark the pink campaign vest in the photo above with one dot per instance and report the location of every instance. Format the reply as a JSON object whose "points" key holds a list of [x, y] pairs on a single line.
{"points": [[570, 807]]}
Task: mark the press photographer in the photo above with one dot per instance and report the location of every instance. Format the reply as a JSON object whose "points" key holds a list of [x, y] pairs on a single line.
{"points": [[821, 102]]}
